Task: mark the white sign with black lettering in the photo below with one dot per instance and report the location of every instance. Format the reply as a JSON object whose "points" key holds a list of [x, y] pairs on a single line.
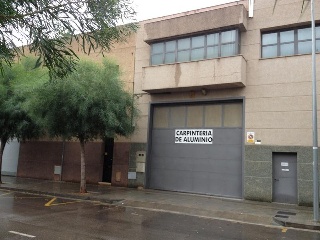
{"points": [[194, 136]]}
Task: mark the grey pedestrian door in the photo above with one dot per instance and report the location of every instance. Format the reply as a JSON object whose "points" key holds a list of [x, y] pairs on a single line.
{"points": [[285, 177], [213, 168]]}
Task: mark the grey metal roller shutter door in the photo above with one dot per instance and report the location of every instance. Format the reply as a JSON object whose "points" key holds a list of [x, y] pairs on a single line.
{"points": [[214, 169]]}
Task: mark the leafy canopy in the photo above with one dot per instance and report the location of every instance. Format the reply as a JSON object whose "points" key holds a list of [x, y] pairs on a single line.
{"points": [[48, 27], [15, 121], [90, 103]]}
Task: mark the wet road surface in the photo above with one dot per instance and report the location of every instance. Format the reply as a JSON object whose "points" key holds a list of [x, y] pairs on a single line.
{"points": [[24, 216]]}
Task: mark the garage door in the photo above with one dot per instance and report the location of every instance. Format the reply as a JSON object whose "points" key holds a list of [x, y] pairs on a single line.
{"points": [[197, 149]]}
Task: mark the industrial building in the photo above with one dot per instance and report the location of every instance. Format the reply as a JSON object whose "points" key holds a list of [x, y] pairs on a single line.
{"points": [[225, 96]]}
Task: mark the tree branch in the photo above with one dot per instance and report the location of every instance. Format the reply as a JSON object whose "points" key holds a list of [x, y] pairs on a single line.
{"points": [[19, 16]]}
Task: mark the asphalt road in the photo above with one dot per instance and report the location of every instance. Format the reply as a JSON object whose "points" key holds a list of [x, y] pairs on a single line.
{"points": [[24, 216]]}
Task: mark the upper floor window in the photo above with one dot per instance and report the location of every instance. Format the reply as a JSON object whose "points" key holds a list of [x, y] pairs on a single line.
{"points": [[289, 42], [214, 45]]}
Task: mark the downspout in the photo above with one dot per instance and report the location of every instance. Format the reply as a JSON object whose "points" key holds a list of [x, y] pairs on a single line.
{"points": [[251, 6], [62, 157]]}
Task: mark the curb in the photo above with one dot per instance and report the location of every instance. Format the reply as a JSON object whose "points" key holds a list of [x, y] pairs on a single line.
{"points": [[130, 204], [287, 223], [279, 221], [63, 195]]}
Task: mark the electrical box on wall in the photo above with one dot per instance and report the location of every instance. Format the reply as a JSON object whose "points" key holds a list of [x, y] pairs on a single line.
{"points": [[140, 161], [132, 175], [140, 156], [141, 167], [57, 170]]}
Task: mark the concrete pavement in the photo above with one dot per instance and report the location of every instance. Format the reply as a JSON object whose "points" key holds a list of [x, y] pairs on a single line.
{"points": [[180, 203]]}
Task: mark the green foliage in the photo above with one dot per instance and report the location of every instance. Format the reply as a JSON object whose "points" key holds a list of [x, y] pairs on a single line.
{"points": [[48, 27], [15, 122], [90, 103]]}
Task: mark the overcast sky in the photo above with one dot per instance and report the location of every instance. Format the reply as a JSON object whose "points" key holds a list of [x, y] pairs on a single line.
{"points": [[147, 9]]}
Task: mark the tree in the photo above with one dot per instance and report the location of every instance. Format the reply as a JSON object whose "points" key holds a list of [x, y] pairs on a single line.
{"points": [[15, 121], [48, 27], [89, 104]]}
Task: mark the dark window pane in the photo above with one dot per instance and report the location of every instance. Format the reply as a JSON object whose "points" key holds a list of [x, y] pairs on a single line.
{"points": [[170, 46], [195, 116], [169, 58], [287, 36], [157, 48], [197, 42], [287, 49], [213, 39], [184, 44], [229, 36], [157, 59], [270, 38], [213, 52], [232, 115], [177, 117], [304, 34], [213, 115], [197, 54], [161, 117], [289, 43], [304, 47], [228, 50], [269, 51], [183, 56]]}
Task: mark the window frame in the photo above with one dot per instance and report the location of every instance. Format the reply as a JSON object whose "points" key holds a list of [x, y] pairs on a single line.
{"points": [[173, 120], [295, 41], [205, 47]]}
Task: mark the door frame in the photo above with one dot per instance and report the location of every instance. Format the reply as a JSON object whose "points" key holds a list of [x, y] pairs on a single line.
{"points": [[190, 102], [273, 175], [106, 141]]}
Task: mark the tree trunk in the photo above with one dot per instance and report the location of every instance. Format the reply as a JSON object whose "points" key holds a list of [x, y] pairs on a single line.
{"points": [[2, 146], [83, 185]]}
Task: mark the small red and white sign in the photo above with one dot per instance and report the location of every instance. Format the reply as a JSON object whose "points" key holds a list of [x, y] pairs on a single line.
{"points": [[250, 137]]}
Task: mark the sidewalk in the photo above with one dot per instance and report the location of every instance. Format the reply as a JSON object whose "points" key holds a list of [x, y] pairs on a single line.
{"points": [[180, 203]]}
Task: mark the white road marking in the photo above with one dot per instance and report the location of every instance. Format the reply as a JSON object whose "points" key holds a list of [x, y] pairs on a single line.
{"points": [[6, 193], [22, 234]]}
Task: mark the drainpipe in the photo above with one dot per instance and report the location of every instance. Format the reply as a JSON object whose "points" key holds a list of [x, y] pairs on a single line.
{"points": [[314, 121], [62, 157]]}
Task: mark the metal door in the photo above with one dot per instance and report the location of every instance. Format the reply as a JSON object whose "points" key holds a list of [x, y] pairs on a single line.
{"points": [[285, 178], [214, 169], [10, 158], [108, 157]]}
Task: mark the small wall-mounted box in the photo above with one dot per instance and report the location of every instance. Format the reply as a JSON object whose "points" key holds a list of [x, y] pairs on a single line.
{"points": [[132, 175], [141, 167], [140, 156], [57, 170]]}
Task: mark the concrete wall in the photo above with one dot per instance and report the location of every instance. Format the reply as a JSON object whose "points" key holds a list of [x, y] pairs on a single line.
{"points": [[120, 164], [123, 53], [189, 23], [38, 158], [229, 72], [278, 102], [258, 172], [139, 179], [277, 92]]}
